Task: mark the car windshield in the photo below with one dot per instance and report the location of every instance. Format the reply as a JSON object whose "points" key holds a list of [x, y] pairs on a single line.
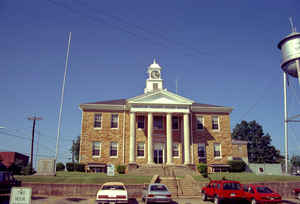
{"points": [[263, 189], [158, 188], [113, 187], [231, 186]]}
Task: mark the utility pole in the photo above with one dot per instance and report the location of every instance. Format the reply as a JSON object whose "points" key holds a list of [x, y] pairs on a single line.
{"points": [[34, 118]]}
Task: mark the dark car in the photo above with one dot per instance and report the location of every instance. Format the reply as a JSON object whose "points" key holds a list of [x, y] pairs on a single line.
{"points": [[156, 192], [7, 181]]}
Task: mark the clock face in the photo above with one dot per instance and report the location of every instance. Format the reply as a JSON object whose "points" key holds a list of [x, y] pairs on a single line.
{"points": [[155, 74]]}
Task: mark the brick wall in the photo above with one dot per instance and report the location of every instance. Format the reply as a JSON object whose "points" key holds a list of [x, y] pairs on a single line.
{"points": [[105, 135]]}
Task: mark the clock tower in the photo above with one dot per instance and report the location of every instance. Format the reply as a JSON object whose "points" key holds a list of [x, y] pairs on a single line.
{"points": [[154, 81]]}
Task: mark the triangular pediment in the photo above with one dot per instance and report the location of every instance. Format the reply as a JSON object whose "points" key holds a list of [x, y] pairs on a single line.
{"points": [[160, 97]]}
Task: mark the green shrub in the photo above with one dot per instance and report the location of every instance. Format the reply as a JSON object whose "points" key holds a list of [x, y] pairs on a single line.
{"points": [[237, 165], [27, 170], [75, 167], [121, 169], [60, 166], [202, 168]]}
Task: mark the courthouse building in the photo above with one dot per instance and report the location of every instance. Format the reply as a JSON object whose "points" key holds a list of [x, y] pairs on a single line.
{"points": [[157, 127]]}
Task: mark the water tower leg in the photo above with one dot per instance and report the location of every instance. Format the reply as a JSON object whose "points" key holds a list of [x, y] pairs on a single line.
{"points": [[285, 122]]}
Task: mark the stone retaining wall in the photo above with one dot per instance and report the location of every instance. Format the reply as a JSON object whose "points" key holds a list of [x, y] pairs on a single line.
{"points": [[134, 190]]}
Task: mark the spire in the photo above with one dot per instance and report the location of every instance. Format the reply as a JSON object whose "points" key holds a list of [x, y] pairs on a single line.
{"points": [[154, 61]]}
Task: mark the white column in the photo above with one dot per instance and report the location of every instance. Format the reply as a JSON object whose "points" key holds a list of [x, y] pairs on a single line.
{"points": [[186, 139], [132, 138], [169, 138], [150, 146]]}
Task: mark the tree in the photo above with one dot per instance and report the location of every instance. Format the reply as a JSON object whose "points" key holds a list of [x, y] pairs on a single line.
{"points": [[76, 148], [260, 149], [295, 160]]}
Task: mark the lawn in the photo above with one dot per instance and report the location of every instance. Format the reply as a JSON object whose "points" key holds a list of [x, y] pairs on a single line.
{"points": [[247, 177], [99, 178], [85, 178]]}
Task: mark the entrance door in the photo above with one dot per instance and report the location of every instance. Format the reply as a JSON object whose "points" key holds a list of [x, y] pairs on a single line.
{"points": [[158, 154]]}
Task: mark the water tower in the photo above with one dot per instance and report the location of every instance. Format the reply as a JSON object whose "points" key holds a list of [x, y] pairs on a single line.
{"points": [[290, 49]]}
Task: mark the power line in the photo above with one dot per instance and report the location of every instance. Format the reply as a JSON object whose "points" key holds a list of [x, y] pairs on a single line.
{"points": [[259, 99], [119, 27]]}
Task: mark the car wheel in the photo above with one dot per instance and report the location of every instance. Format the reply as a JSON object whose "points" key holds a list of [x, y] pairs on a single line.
{"points": [[204, 196], [298, 196], [217, 200], [253, 201]]}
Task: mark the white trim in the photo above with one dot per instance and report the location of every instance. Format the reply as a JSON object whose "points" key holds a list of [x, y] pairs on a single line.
{"points": [[178, 150], [220, 157], [199, 130], [140, 157], [98, 113], [100, 148], [219, 128], [212, 109], [111, 120], [205, 153], [117, 150]]}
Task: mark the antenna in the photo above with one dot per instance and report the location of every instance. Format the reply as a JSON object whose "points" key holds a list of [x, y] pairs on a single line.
{"points": [[176, 85], [292, 25]]}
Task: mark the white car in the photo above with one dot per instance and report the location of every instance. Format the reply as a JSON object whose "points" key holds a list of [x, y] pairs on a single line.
{"points": [[112, 192]]}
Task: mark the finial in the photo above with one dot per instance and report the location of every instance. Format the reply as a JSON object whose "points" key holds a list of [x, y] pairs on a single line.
{"points": [[154, 61]]}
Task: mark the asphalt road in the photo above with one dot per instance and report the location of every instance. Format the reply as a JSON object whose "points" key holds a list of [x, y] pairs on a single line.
{"points": [[66, 200]]}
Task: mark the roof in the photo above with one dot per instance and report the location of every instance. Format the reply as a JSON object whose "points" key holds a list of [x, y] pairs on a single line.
{"points": [[111, 102], [204, 105]]}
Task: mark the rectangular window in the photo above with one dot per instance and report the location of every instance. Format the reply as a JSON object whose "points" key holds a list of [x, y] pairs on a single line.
{"points": [[141, 122], [113, 149], [158, 122], [175, 150], [175, 123], [96, 149], [200, 123], [215, 122], [141, 149], [217, 150], [155, 86], [201, 150], [114, 120], [97, 120]]}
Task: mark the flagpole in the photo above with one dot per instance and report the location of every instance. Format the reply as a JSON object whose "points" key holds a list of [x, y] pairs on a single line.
{"points": [[62, 100]]}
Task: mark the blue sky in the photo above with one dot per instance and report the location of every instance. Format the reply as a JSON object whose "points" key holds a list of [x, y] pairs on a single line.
{"points": [[221, 52]]}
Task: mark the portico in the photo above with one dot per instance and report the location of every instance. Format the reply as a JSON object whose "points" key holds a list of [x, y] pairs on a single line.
{"points": [[166, 105]]}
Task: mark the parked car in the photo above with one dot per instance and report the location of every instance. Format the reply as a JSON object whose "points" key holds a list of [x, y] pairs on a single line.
{"points": [[296, 192], [7, 181], [112, 192], [221, 190], [260, 194], [156, 192]]}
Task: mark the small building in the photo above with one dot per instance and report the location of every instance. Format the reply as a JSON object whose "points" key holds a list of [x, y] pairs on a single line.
{"points": [[9, 158], [157, 127]]}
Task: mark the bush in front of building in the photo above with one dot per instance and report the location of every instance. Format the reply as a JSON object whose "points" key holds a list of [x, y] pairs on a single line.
{"points": [[202, 168], [60, 166], [27, 170], [75, 167], [237, 165], [121, 169]]}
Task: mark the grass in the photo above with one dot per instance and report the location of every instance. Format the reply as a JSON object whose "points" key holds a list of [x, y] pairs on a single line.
{"points": [[247, 177], [85, 178], [100, 178]]}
